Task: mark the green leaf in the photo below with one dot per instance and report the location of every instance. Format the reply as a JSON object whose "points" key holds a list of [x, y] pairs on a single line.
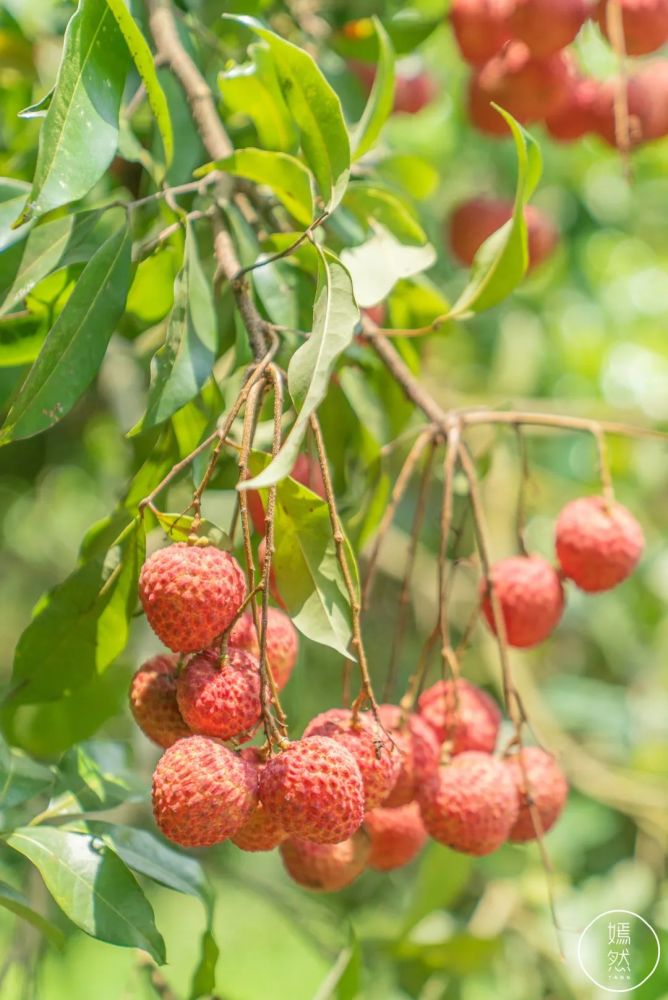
{"points": [[12, 196], [372, 203], [502, 260], [13, 900], [184, 362], [21, 339], [253, 91], [81, 626], [442, 876], [20, 777], [92, 887], [204, 979], [378, 264], [37, 110], [315, 108], [335, 315], [287, 177], [179, 527], [80, 132], [74, 348], [144, 62], [83, 786], [381, 98], [344, 980]]}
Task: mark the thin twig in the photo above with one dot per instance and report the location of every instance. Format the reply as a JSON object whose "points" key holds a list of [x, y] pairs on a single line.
{"points": [[302, 238]]}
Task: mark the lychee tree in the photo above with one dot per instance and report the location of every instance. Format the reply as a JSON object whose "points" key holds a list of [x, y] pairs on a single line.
{"points": [[271, 276]]}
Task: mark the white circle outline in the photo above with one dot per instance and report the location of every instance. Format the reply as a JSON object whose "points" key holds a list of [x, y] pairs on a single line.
{"points": [[629, 989]]}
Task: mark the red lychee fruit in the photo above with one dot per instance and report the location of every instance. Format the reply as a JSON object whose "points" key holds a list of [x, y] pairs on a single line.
{"points": [[462, 713], [598, 543], [306, 471], [260, 832], [220, 697], [414, 89], [470, 804], [419, 750], [645, 24], [531, 598], [282, 643], [378, 760], [314, 789], [646, 99], [474, 221], [153, 700], [547, 787], [575, 118], [203, 793], [190, 594], [481, 27], [326, 867], [397, 836], [529, 88], [546, 26]]}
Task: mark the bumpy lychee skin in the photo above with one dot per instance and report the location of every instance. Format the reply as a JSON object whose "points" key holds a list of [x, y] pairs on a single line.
{"points": [[481, 27], [531, 599], [598, 543], [220, 697], [203, 793], [528, 87], [462, 713], [474, 221], [282, 643], [547, 786], [378, 760], [326, 867], [419, 749], [314, 789], [190, 594], [397, 836], [153, 701], [546, 26], [261, 831], [470, 804], [645, 24]]}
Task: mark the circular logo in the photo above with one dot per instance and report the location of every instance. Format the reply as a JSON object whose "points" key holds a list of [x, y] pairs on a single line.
{"points": [[619, 951]]}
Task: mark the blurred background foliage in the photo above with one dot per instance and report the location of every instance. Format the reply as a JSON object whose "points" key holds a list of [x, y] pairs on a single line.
{"points": [[584, 334]]}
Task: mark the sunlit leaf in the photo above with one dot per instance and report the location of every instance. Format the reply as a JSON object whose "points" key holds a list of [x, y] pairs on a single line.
{"points": [[380, 100]]}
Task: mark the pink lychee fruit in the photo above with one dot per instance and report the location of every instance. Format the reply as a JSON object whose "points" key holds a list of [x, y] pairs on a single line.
{"points": [[397, 836], [461, 713], [645, 24], [260, 832], [530, 89], [547, 786], [220, 696], [153, 700], [546, 26], [282, 643], [481, 27], [419, 750], [326, 867], [530, 596], [473, 221], [598, 543]]}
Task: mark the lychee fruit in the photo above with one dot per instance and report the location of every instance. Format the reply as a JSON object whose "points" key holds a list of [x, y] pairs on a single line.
{"points": [[419, 750], [645, 24], [527, 87], [547, 787], [379, 762], [397, 836], [646, 101], [461, 713], [575, 118], [546, 26], [306, 471], [314, 789], [220, 696], [598, 543], [282, 642], [530, 596], [260, 832], [190, 594], [414, 88], [326, 867], [474, 221], [203, 793], [153, 700], [481, 27], [470, 804]]}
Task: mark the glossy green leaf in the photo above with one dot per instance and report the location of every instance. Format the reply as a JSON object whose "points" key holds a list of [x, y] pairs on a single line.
{"points": [[14, 901], [317, 111], [372, 204], [38, 109], [252, 90], [502, 260], [21, 339], [74, 349], [377, 265], [182, 365], [84, 786], [92, 887], [335, 315], [144, 62], [20, 777], [80, 132], [12, 196], [204, 979], [380, 100], [287, 177], [82, 625]]}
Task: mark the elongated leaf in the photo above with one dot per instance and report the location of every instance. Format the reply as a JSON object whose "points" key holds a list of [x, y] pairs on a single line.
{"points": [[80, 132], [82, 625], [204, 979], [13, 900], [38, 109], [335, 315], [83, 786], [73, 351], [21, 339], [378, 264], [502, 260], [344, 979], [52, 245], [317, 111], [20, 777], [92, 887], [372, 203], [379, 105], [12, 196], [142, 57], [287, 177], [182, 365], [253, 90]]}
